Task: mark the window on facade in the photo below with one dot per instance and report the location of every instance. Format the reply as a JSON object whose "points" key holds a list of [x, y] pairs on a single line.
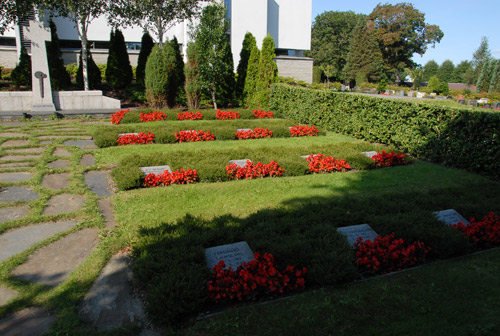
{"points": [[7, 41]]}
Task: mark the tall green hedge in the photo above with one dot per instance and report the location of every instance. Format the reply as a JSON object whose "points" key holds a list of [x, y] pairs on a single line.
{"points": [[456, 138]]}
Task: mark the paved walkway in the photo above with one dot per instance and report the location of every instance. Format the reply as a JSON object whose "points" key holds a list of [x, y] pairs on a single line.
{"points": [[46, 251]]}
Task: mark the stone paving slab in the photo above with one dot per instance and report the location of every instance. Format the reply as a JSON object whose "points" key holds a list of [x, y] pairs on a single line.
{"points": [[83, 137], [97, 182], [27, 322], [19, 157], [26, 150], [64, 203], [87, 160], [13, 213], [58, 164], [106, 210], [53, 263], [15, 177], [11, 165], [82, 144], [56, 181], [13, 123], [17, 193], [61, 152], [17, 240], [15, 143], [6, 294], [46, 142], [109, 303], [12, 135]]}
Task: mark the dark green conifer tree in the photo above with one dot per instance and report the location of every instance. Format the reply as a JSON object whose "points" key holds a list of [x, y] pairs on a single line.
{"points": [[268, 69], [176, 84], [59, 77], [21, 75], [495, 77], [118, 70], [146, 47], [93, 71], [248, 43], [252, 75], [193, 84]]}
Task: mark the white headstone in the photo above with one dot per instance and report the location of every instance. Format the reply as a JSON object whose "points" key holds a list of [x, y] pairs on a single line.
{"points": [[240, 163], [450, 217], [353, 232], [370, 154], [122, 134], [243, 129], [40, 77], [232, 254], [155, 170]]}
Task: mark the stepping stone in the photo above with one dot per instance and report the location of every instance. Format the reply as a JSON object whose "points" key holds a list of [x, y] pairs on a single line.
{"points": [[61, 152], [13, 213], [6, 294], [109, 304], [12, 135], [97, 182], [58, 164], [19, 157], [15, 143], [64, 203], [26, 150], [27, 322], [52, 264], [13, 123], [16, 241], [106, 210], [69, 129], [46, 142], [82, 137], [87, 160], [56, 181], [15, 177], [17, 193], [15, 165], [82, 144]]}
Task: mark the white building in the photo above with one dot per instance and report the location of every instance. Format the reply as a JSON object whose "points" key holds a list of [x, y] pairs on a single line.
{"points": [[287, 21]]}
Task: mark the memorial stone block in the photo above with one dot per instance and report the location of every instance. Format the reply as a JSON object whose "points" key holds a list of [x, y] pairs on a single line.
{"points": [[121, 134], [240, 163], [155, 170], [488, 106], [496, 106], [370, 154], [450, 217], [353, 232], [473, 102], [461, 101], [244, 129], [232, 254]]}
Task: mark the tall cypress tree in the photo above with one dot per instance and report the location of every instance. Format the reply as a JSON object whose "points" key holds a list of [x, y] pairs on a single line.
{"points": [[483, 82], [118, 70], [252, 75], [59, 77], [268, 70], [495, 77], [248, 43], [146, 47], [226, 88], [193, 82], [176, 85], [21, 75], [93, 71]]}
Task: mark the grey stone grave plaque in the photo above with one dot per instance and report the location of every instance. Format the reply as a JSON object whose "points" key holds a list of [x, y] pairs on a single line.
{"points": [[121, 134], [244, 129], [241, 163], [353, 232], [401, 93], [155, 169], [450, 217], [473, 102], [370, 154], [232, 254], [461, 101], [487, 106], [496, 106], [441, 98]]}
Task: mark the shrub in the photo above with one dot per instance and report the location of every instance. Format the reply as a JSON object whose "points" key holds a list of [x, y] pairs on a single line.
{"points": [[21, 75], [193, 85], [193, 136], [297, 131], [251, 171], [259, 114], [147, 45], [136, 139], [167, 178], [118, 70], [483, 234], [225, 115], [59, 77], [190, 116], [154, 116], [318, 163], [176, 84], [159, 74], [117, 117], [94, 73], [384, 159], [256, 133]]}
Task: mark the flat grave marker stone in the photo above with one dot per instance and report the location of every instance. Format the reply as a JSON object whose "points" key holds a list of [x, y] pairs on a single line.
{"points": [[370, 154], [122, 134], [461, 101], [496, 106], [244, 129], [232, 254], [473, 102], [155, 170], [353, 232], [240, 163], [450, 217], [488, 106]]}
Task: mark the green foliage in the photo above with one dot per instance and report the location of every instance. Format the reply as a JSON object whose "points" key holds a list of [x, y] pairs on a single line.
{"points": [[457, 138], [193, 84], [382, 86], [433, 84], [484, 80], [248, 44], [316, 74], [431, 68], [330, 39], [461, 72], [118, 70], [94, 73], [252, 77], [59, 77], [72, 69], [446, 72], [147, 45], [268, 69], [21, 75], [481, 56], [159, 72], [495, 78], [176, 84], [364, 61], [443, 89]]}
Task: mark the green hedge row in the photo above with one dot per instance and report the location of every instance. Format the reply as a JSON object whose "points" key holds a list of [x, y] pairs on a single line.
{"points": [[210, 164], [208, 114], [106, 136], [456, 138]]}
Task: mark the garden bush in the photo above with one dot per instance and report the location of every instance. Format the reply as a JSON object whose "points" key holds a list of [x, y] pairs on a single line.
{"points": [[453, 137]]}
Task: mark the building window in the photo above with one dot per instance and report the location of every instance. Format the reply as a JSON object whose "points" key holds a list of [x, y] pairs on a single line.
{"points": [[7, 41], [227, 4]]}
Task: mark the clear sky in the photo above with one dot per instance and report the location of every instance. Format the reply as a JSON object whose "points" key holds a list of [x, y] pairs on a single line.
{"points": [[463, 23]]}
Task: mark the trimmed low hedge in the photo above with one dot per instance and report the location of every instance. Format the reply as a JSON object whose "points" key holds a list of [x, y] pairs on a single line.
{"points": [[456, 138], [210, 164], [208, 114], [106, 136]]}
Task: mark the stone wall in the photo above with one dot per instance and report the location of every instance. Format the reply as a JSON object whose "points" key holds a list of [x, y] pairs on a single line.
{"points": [[300, 68], [8, 57]]}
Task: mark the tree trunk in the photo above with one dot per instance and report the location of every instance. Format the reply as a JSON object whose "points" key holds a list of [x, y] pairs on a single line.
{"points": [[82, 32], [213, 99]]}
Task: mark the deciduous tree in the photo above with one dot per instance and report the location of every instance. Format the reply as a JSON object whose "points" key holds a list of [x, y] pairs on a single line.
{"points": [[446, 71], [430, 69]]}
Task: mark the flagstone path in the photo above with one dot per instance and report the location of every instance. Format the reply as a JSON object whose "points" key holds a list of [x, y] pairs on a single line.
{"points": [[62, 245]]}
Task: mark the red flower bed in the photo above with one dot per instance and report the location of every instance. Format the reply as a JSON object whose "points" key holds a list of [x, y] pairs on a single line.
{"points": [[259, 114], [298, 130], [136, 139], [194, 135], [118, 116], [225, 115], [257, 133], [153, 116], [167, 178], [384, 159], [483, 234], [388, 254], [251, 171], [189, 116], [318, 163], [257, 278]]}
